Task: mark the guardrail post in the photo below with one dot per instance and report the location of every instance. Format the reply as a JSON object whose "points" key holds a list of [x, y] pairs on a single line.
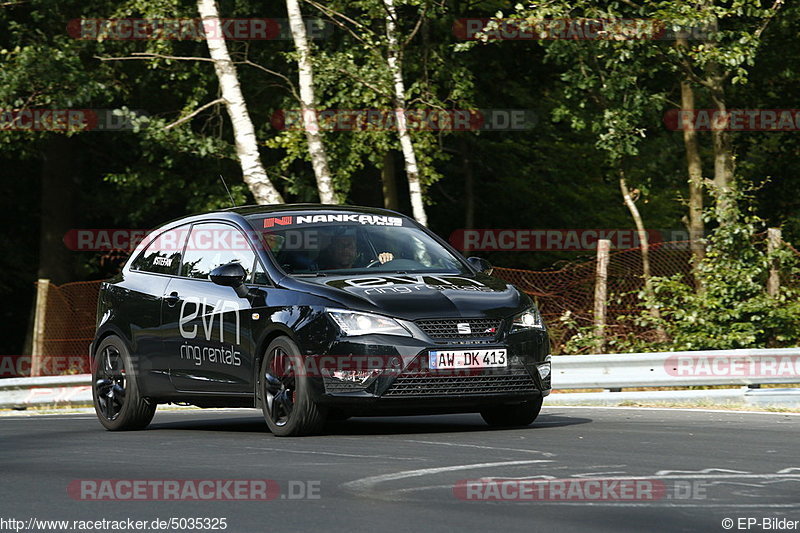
{"points": [[773, 243], [600, 293], [37, 349]]}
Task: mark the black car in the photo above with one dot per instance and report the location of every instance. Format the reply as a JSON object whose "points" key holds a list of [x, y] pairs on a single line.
{"points": [[313, 312]]}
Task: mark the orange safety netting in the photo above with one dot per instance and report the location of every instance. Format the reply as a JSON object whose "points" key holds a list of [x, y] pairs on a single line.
{"points": [[69, 324], [571, 289]]}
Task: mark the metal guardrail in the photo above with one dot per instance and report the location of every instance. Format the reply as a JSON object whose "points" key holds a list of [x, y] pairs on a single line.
{"points": [[778, 397], [606, 371], [677, 369], [20, 393]]}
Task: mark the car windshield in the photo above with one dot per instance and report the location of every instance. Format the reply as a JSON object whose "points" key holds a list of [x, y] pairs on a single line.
{"points": [[347, 243]]}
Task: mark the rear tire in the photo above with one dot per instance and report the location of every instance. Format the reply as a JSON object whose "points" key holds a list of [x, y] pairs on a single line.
{"points": [[115, 391], [513, 415], [285, 392]]}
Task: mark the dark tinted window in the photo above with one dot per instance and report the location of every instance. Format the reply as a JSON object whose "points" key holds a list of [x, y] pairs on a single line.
{"points": [[213, 244], [163, 254]]}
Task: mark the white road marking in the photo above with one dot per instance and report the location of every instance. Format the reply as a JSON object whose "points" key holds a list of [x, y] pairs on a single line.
{"points": [[704, 471], [590, 474], [718, 479], [684, 409], [365, 485], [313, 452], [667, 504], [546, 454]]}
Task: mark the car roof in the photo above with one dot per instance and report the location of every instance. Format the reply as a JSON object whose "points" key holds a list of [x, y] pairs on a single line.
{"points": [[234, 213], [248, 210]]}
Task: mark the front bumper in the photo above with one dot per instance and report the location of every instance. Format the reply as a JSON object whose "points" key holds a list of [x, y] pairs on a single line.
{"points": [[393, 374]]}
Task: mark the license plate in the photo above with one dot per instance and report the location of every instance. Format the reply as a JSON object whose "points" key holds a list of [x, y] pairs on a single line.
{"points": [[451, 359]]}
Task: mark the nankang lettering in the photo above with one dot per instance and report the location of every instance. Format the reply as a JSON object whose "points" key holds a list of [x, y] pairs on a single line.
{"points": [[371, 220]]}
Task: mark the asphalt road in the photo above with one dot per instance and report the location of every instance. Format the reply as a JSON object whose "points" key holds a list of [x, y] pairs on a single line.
{"points": [[691, 470]]}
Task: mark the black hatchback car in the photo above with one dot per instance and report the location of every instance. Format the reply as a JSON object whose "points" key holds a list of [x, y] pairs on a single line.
{"points": [[313, 312]]}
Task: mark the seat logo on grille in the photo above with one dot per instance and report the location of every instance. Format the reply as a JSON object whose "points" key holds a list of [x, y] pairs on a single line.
{"points": [[463, 328]]}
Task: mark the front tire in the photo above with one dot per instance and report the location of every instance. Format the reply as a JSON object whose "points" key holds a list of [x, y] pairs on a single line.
{"points": [[513, 415], [285, 390], [115, 391]]}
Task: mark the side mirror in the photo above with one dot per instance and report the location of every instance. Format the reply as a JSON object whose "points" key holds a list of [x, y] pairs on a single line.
{"points": [[231, 275], [480, 264]]}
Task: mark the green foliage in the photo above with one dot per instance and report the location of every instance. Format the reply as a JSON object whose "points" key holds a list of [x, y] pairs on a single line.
{"points": [[583, 338], [732, 309], [597, 102], [351, 73]]}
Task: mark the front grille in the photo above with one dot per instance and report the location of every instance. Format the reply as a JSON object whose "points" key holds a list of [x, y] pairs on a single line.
{"points": [[479, 328], [427, 384]]}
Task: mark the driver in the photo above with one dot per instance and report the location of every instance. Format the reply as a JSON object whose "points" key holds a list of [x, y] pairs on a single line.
{"points": [[342, 252]]}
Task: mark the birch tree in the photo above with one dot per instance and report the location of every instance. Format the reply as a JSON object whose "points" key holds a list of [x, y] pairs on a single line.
{"points": [[394, 59], [316, 148], [244, 133]]}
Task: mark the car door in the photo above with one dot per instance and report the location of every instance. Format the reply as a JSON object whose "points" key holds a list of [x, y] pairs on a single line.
{"points": [[139, 303], [207, 327]]}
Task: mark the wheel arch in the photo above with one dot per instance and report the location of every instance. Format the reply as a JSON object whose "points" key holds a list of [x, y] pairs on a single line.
{"points": [[278, 330], [102, 334]]}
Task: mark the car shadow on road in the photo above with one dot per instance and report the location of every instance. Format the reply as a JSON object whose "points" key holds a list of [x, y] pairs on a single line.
{"points": [[400, 425], [439, 424]]}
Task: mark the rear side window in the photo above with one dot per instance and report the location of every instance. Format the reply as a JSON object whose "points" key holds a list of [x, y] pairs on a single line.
{"points": [[163, 254], [214, 244]]}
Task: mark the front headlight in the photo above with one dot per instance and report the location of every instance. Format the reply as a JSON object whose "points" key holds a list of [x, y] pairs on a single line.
{"points": [[530, 319], [354, 323]]}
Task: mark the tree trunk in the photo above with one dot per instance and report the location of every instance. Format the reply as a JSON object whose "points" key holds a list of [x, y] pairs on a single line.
{"points": [[773, 245], [60, 172], [389, 182], [394, 62], [308, 107], [601, 294], [645, 244], [723, 150], [243, 131], [469, 187], [695, 169]]}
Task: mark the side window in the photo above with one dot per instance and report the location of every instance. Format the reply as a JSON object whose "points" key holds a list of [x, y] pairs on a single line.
{"points": [[163, 254], [260, 277], [214, 244]]}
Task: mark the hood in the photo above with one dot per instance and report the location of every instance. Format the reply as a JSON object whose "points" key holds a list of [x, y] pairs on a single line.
{"points": [[414, 296]]}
